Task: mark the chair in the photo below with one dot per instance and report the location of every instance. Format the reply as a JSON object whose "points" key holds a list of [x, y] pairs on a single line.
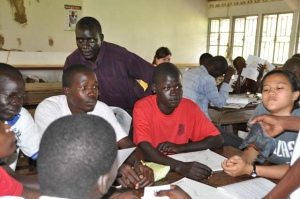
{"points": [[123, 118]]}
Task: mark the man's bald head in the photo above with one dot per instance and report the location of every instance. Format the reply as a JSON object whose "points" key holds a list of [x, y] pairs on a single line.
{"points": [[293, 65]]}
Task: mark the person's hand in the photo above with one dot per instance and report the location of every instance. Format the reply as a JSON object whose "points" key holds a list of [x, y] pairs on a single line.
{"points": [[229, 72], [168, 147], [236, 166], [195, 170], [129, 177], [122, 195], [145, 174], [260, 69], [234, 84], [174, 193], [271, 124]]}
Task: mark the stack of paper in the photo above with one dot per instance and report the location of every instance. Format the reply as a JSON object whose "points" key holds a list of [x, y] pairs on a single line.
{"points": [[237, 101]]}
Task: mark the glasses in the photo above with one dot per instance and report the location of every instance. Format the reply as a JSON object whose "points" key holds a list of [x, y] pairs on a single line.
{"points": [[12, 96]]}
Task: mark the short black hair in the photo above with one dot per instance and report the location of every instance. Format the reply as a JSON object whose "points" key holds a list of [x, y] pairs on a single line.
{"points": [[69, 73], [204, 57], [220, 62], [292, 64], [165, 69], [74, 152], [9, 71], [89, 23], [292, 79], [296, 55], [162, 52]]}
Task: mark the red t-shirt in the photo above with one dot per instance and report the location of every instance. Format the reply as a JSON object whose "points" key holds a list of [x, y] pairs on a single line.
{"points": [[8, 185], [186, 122]]}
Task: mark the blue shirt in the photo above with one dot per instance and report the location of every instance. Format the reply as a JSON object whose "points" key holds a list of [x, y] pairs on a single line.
{"points": [[117, 70], [200, 87]]}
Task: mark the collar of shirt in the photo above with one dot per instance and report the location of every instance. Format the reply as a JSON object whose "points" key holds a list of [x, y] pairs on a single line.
{"points": [[99, 57]]}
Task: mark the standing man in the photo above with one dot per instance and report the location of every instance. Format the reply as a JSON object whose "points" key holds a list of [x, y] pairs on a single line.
{"points": [[199, 84], [116, 68]]}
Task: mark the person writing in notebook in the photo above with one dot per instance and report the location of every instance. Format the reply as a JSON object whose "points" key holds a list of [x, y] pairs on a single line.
{"points": [[167, 123], [80, 87]]}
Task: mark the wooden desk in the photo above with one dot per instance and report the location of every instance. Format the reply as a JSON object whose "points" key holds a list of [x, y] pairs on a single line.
{"points": [[33, 99], [218, 178]]}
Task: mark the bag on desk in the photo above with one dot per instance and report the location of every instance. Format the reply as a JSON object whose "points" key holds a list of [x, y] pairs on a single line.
{"points": [[160, 171]]}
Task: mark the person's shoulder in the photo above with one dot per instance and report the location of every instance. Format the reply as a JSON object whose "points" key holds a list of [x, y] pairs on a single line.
{"points": [[74, 54], [115, 48], [188, 103], [146, 101], [296, 112], [53, 101], [101, 106]]}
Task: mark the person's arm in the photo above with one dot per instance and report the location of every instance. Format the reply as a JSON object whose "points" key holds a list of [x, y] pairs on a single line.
{"points": [[141, 69], [275, 125], [30, 182], [193, 170], [30, 194], [253, 88], [139, 176], [289, 183], [218, 98], [236, 166], [237, 85]]}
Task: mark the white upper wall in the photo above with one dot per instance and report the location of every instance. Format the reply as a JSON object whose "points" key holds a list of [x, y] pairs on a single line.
{"points": [[141, 26]]}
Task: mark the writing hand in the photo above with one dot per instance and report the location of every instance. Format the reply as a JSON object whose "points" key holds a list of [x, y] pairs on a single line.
{"points": [[236, 166], [169, 147], [174, 193], [129, 177], [195, 170], [145, 174]]}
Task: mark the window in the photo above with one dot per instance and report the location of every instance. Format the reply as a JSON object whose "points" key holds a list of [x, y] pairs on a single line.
{"points": [[244, 33], [275, 37], [218, 36]]}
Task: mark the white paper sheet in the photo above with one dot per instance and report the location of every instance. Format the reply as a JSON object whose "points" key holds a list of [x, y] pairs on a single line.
{"points": [[207, 157], [123, 155], [269, 66], [251, 189], [149, 191], [198, 190], [251, 70]]}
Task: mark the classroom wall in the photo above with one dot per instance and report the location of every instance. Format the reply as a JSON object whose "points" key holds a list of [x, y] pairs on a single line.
{"points": [[44, 29]]}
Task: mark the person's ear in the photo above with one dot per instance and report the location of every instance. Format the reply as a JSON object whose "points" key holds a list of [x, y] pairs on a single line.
{"points": [[153, 88], [101, 37], [296, 95], [103, 184], [66, 90]]}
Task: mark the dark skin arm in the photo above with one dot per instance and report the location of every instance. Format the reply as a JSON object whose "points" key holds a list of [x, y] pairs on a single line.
{"points": [[260, 70], [30, 194], [138, 177], [193, 170], [30, 182], [289, 183]]}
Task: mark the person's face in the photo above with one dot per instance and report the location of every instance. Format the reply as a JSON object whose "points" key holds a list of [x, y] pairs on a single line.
{"points": [[240, 63], [12, 91], [277, 95], [168, 93], [89, 42], [163, 60], [7, 141], [83, 93], [216, 72]]}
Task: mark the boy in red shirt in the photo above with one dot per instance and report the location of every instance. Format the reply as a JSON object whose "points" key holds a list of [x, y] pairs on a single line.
{"points": [[166, 123]]}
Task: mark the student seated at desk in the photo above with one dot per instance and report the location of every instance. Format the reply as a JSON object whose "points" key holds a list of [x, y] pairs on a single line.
{"points": [[12, 91], [162, 55], [166, 123], [280, 96], [199, 84], [244, 85], [80, 87], [290, 183]]}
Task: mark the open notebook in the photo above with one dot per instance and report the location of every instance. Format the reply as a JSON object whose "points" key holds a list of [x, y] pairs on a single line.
{"points": [[251, 189]]}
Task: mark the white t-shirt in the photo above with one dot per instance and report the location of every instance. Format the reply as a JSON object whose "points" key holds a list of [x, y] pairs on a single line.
{"points": [[28, 139], [296, 155], [56, 107]]}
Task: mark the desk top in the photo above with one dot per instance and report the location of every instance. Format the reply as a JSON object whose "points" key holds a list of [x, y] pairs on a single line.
{"points": [[218, 178]]}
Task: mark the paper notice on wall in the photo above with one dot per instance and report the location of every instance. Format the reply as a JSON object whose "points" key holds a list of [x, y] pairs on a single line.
{"points": [[72, 15]]}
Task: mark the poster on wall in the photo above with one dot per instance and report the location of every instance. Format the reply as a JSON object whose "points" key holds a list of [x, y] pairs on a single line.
{"points": [[72, 15]]}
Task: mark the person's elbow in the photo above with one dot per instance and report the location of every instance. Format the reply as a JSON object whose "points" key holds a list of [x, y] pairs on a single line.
{"points": [[218, 141]]}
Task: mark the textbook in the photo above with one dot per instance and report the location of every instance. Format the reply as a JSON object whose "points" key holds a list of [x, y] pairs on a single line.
{"points": [[255, 188]]}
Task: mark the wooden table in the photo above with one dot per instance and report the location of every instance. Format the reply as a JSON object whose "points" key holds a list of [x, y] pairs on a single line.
{"points": [[218, 179], [33, 99]]}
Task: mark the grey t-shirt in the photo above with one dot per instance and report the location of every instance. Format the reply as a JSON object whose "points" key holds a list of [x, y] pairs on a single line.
{"points": [[285, 142]]}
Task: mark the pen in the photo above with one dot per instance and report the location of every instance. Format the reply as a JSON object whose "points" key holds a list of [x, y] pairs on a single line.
{"points": [[119, 175]]}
